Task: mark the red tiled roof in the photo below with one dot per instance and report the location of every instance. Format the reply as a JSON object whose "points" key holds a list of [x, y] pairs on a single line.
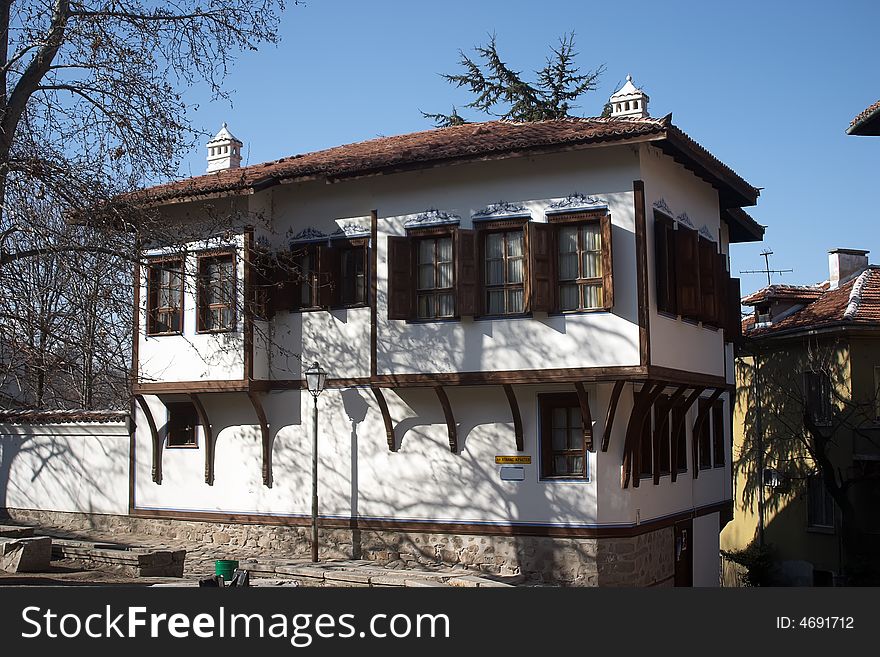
{"points": [[60, 417], [867, 122], [798, 292], [855, 303], [460, 143]]}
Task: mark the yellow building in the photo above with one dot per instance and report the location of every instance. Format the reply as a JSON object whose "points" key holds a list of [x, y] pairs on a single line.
{"points": [[807, 428]]}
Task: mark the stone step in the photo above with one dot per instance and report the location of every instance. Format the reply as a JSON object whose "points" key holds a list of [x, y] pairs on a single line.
{"points": [[137, 562], [27, 554], [14, 531]]}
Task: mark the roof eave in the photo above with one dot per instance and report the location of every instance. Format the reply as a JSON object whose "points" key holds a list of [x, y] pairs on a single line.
{"points": [[733, 191], [866, 127], [741, 226]]}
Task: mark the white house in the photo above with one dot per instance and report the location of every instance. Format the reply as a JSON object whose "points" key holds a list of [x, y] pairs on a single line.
{"points": [[527, 329]]}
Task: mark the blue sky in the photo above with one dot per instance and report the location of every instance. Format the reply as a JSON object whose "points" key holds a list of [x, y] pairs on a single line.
{"points": [[769, 87]]}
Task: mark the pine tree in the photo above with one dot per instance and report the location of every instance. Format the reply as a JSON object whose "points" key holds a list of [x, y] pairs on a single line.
{"points": [[501, 92]]}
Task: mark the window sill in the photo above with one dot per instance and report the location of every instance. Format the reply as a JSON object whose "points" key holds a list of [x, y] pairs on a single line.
{"points": [[582, 311], [433, 320], [162, 335], [494, 318], [819, 529], [194, 446], [565, 480], [216, 331]]}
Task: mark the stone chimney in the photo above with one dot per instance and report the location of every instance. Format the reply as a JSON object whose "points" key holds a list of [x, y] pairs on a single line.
{"points": [[629, 101], [224, 151], [844, 264]]}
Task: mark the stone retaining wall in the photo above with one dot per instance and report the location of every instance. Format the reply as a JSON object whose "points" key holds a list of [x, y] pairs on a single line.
{"points": [[643, 560]]}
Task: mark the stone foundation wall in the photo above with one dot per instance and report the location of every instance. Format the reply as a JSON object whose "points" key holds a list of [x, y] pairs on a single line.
{"points": [[643, 560]]}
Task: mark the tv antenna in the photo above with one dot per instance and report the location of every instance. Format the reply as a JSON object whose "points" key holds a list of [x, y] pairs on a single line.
{"points": [[767, 253]]}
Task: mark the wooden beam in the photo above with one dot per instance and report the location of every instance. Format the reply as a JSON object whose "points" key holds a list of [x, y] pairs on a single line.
{"points": [[154, 435], [586, 415], [209, 438], [661, 427], [609, 416], [374, 292], [678, 426], [517, 417], [266, 438], [701, 416], [636, 459], [386, 417], [644, 399], [644, 315], [451, 430]]}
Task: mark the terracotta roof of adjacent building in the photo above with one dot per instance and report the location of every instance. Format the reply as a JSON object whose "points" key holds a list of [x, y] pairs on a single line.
{"points": [[855, 303], [468, 142], [60, 417], [805, 292], [867, 122]]}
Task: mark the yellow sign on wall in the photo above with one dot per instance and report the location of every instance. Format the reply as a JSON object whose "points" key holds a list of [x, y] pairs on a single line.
{"points": [[513, 460]]}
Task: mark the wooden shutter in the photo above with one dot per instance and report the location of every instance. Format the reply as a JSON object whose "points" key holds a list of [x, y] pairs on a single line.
{"points": [[466, 288], [540, 251], [708, 299], [282, 291], [687, 273], [722, 306], [733, 323], [400, 278], [664, 263], [153, 298], [607, 263], [329, 282], [262, 284]]}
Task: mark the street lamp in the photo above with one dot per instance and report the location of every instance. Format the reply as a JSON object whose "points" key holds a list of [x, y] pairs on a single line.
{"points": [[315, 379]]}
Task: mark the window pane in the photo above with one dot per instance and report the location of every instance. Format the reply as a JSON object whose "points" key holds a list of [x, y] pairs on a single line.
{"points": [[592, 235], [514, 301], [559, 440], [494, 272], [567, 240], [426, 305], [514, 243], [560, 419], [444, 249], [445, 272], [494, 245], [568, 297], [593, 296], [446, 305], [577, 465], [515, 270], [568, 266], [575, 415], [495, 302], [576, 438], [592, 264], [426, 277], [426, 252], [560, 465]]}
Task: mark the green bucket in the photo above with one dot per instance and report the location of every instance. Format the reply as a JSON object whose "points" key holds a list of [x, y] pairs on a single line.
{"points": [[225, 568]]}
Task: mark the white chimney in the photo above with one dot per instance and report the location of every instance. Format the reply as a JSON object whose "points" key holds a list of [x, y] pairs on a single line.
{"points": [[629, 101], [224, 151], [844, 264]]}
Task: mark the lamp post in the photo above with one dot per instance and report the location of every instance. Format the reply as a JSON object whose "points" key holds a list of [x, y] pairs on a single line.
{"points": [[315, 379]]}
